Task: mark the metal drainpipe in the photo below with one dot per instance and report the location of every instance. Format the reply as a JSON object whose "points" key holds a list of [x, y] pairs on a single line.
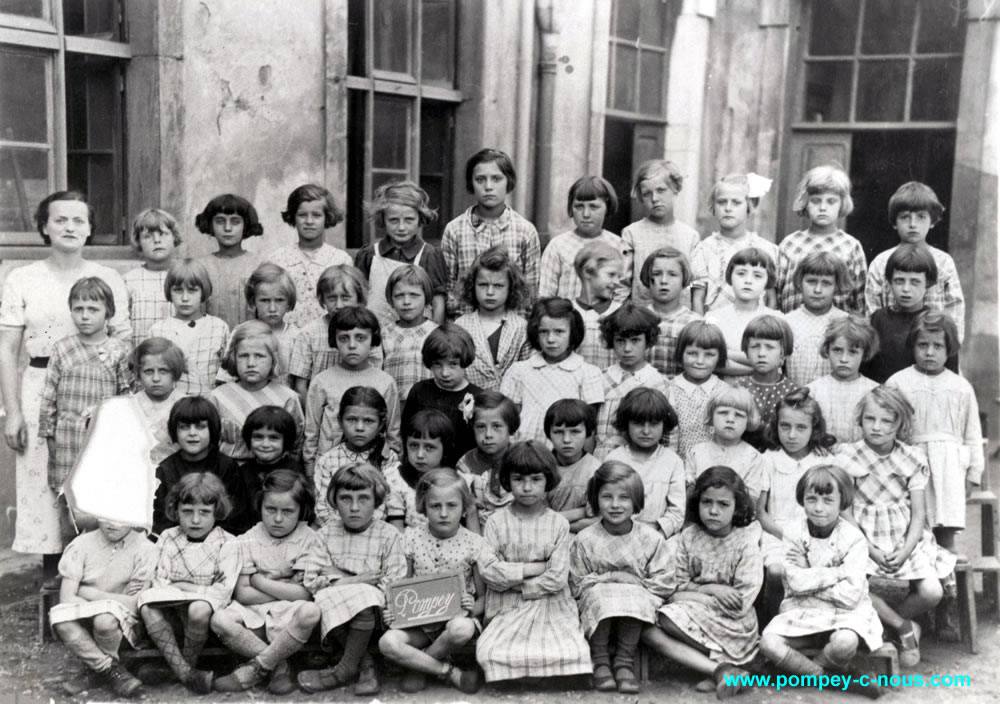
{"points": [[544, 15]]}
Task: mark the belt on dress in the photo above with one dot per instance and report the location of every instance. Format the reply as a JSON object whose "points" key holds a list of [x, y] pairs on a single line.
{"points": [[38, 362]]}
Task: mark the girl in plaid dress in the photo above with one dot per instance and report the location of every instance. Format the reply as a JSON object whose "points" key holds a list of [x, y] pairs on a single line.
{"points": [[441, 546], [619, 571], [155, 237], [273, 614], [709, 623], [408, 290], [102, 572], [495, 290], [890, 480], [83, 370], [826, 603], [532, 625], [362, 557], [767, 342], [271, 296], [494, 421], [196, 571], [666, 273], [818, 278], [429, 444], [701, 349], [554, 370]]}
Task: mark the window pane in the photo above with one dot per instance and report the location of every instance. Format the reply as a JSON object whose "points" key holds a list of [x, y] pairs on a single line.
{"points": [[436, 162], [356, 65], [626, 59], [834, 27], [935, 89], [942, 26], [25, 8], [651, 22], [93, 18], [437, 42], [24, 182], [391, 123], [627, 20], [23, 88], [881, 91], [828, 92], [392, 35], [651, 83], [94, 174], [888, 26]]}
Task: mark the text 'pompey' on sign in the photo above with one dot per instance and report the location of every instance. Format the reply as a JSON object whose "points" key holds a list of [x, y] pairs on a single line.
{"points": [[429, 599]]}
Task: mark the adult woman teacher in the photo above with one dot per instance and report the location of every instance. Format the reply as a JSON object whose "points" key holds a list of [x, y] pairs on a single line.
{"points": [[34, 314]]}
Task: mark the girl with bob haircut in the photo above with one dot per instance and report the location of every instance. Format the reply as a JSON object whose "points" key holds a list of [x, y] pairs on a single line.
{"points": [[188, 273], [856, 331], [704, 335], [199, 488], [529, 457], [495, 260], [192, 410], [727, 478], [230, 204], [276, 420], [154, 220], [170, 355], [555, 307], [824, 179], [824, 480], [823, 264], [157, 365], [270, 274], [730, 413], [332, 215], [614, 472]]}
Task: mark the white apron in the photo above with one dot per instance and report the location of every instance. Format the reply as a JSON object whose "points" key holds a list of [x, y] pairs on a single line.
{"points": [[378, 277]]}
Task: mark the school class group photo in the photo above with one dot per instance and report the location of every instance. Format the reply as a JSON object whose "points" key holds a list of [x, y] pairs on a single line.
{"points": [[701, 445]]}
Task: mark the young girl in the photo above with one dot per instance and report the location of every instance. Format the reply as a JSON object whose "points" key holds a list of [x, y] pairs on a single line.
{"points": [[599, 267], [701, 349], [730, 203], [945, 422], [824, 197], [400, 210], [848, 343], [554, 370], [443, 545], [826, 593], [355, 332], [495, 421], [252, 358], [709, 623], [363, 416], [428, 443], [495, 291], [569, 425], [666, 273], [591, 200], [83, 370], [529, 607], [272, 614], [102, 571], [407, 290], [362, 556], [619, 571], [730, 413], [311, 210], [197, 569], [657, 183], [157, 364], [155, 237], [890, 479], [201, 337], [229, 219], [644, 418], [630, 331], [270, 294], [489, 176], [819, 278], [767, 341]]}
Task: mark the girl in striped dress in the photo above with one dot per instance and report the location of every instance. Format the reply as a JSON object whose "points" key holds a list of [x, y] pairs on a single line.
{"points": [[273, 614], [532, 625], [361, 557], [252, 358], [619, 572], [196, 573]]}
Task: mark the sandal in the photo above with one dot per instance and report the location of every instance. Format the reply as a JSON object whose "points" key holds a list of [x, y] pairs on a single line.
{"points": [[603, 681], [909, 644]]}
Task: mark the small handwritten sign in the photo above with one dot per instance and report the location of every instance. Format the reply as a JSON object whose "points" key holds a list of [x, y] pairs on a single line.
{"points": [[429, 599]]}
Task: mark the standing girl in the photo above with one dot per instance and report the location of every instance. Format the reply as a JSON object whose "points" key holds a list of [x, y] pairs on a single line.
{"points": [[554, 370], [701, 349], [229, 219], [157, 364], [644, 418], [495, 291], [197, 569], [666, 273], [362, 557], [442, 545], [709, 623], [428, 443], [408, 290], [253, 359], [271, 295], [824, 197], [279, 555], [767, 342], [363, 418], [826, 603], [529, 605], [620, 572], [890, 479]]}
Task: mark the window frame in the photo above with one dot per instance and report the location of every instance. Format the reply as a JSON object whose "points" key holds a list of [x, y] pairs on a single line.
{"points": [[641, 48]]}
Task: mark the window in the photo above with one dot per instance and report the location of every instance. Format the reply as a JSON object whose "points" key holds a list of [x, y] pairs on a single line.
{"points": [[62, 81], [641, 32], [401, 103]]}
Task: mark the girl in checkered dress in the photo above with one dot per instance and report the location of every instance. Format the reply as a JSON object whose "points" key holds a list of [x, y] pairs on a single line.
{"points": [[271, 296], [890, 480], [620, 571], [408, 291], [197, 569], [532, 625], [666, 273], [701, 349], [155, 236], [273, 614], [362, 557], [441, 546]]}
